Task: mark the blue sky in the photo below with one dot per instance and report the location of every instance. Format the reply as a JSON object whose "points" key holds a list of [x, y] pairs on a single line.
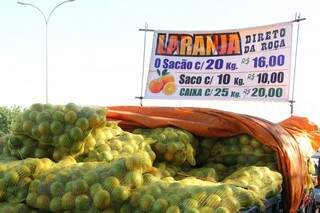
{"points": [[95, 49]]}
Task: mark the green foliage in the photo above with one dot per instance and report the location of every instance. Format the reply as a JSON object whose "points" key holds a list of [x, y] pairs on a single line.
{"points": [[7, 115]]}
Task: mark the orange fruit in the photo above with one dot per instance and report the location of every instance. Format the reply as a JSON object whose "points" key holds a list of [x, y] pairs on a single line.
{"points": [[168, 156], [170, 88], [167, 78], [156, 85]]}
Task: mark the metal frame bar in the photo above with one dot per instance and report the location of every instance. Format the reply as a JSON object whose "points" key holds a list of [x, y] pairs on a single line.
{"points": [[292, 101], [145, 30]]}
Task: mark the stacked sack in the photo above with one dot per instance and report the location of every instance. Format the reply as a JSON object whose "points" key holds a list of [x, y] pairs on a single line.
{"points": [[16, 176], [173, 145], [58, 130], [238, 151], [120, 145], [164, 169], [22, 147], [261, 180], [189, 195], [16, 208], [70, 159], [99, 136], [89, 186]]}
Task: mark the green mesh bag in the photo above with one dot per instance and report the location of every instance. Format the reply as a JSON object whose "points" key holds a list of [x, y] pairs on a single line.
{"points": [[119, 146], [16, 176], [7, 207], [189, 195], [94, 186], [260, 180], [63, 128], [238, 150], [173, 145], [22, 147]]}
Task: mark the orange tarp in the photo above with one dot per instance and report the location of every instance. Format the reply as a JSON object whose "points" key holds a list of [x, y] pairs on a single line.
{"points": [[283, 138], [303, 126]]}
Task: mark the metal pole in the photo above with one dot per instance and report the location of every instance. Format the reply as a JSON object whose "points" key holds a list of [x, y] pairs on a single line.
{"points": [[47, 72], [292, 101], [46, 19], [143, 62]]}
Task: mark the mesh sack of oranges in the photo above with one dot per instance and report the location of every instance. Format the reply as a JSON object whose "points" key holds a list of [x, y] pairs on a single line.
{"points": [[120, 145], [189, 195], [54, 131], [16, 176], [89, 186], [240, 150], [172, 145], [264, 182], [285, 138], [16, 207]]}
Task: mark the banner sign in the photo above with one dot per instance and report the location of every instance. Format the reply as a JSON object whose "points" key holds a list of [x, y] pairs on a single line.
{"points": [[244, 64]]}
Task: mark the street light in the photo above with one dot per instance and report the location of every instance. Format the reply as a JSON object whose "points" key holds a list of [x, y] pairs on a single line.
{"points": [[46, 19]]}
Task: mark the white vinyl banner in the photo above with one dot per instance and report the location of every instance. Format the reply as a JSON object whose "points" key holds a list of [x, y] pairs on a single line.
{"points": [[243, 64]]}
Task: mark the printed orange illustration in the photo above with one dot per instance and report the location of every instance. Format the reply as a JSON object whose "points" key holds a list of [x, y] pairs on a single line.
{"points": [[167, 78], [156, 85], [165, 83], [169, 88]]}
